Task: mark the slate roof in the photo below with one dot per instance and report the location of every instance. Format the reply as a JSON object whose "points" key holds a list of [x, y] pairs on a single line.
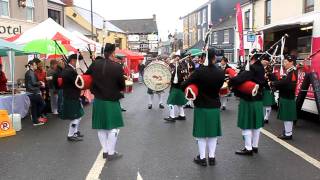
{"points": [[137, 26]]}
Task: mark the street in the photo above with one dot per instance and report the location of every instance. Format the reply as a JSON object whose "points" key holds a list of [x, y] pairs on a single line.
{"points": [[157, 150]]}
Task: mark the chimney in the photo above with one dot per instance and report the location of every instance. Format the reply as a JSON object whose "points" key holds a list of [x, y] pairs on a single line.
{"points": [[154, 17], [68, 2]]}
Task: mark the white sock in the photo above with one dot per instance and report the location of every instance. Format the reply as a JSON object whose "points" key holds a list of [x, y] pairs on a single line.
{"points": [[160, 98], [189, 103], [112, 140], [73, 127], [181, 111], [267, 112], [102, 135], [77, 122], [247, 135], [288, 127], [150, 97], [212, 144], [224, 101], [171, 111], [255, 137], [202, 147]]}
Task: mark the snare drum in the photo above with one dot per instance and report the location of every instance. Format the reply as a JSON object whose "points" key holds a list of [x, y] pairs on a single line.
{"points": [[157, 76]]}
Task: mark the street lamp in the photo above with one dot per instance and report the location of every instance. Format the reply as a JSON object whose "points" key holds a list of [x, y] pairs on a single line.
{"points": [[91, 21]]}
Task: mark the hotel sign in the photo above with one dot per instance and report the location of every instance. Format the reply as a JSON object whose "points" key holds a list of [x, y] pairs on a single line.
{"points": [[11, 27]]}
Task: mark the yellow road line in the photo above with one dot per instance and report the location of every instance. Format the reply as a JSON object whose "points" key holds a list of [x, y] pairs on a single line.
{"points": [[96, 168]]}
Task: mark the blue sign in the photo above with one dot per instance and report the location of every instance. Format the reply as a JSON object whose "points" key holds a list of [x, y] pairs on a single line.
{"points": [[251, 38]]}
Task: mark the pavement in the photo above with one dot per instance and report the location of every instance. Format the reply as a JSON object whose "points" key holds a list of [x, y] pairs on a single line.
{"points": [[157, 150]]}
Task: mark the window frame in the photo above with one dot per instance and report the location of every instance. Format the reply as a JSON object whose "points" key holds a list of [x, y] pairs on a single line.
{"points": [[30, 6], [307, 8], [204, 16], [199, 18], [199, 34], [8, 2], [247, 19], [267, 19], [215, 37], [224, 36]]}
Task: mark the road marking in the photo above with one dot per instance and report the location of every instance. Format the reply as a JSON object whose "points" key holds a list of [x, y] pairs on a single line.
{"points": [[293, 149], [96, 168], [139, 177]]}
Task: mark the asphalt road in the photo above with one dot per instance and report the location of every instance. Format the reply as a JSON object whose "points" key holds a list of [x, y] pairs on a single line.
{"points": [[157, 150]]}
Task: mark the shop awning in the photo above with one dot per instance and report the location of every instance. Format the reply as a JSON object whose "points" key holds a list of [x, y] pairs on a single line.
{"points": [[301, 20], [130, 55]]}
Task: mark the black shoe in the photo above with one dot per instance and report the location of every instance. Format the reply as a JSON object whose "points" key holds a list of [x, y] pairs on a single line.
{"points": [[149, 106], [105, 155], [284, 137], [161, 106], [123, 110], [266, 121], [188, 106], [255, 149], [78, 134], [170, 119], [74, 139], [115, 156], [223, 108], [212, 161], [181, 118], [244, 152], [201, 162]]}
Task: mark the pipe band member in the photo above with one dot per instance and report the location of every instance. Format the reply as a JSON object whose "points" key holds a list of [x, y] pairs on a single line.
{"points": [[224, 93], [287, 106], [250, 113], [71, 108], [108, 82]]}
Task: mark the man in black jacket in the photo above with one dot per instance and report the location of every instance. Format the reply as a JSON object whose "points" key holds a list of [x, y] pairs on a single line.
{"points": [[287, 105], [33, 88], [108, 82], [250, 114], [207, 126], [72, 108]]}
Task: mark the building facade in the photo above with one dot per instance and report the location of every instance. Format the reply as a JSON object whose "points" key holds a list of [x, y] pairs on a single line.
{"points": [[56, 11], [142, 34]]}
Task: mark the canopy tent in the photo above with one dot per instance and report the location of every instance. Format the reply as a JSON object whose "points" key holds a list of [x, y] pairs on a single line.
{"points": [[133, 59], [47, 30], [97, 46]]}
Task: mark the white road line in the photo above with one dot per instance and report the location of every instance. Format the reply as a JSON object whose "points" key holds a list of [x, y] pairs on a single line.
{"points": [[293, 149], [97, 167], [139, 177]]}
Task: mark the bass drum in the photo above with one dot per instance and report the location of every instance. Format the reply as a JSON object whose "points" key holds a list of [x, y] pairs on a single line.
{"points": [[157, 76]]}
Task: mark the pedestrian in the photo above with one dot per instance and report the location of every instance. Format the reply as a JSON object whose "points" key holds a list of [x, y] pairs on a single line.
{"points": [[41, 74], [72, 108], [141, 71], [287, 105], [250, 113], [52, 77], [268, 96], [176, 95], [33, 89], [225, 92], [3, 80], [108, 82], [207, 126]]}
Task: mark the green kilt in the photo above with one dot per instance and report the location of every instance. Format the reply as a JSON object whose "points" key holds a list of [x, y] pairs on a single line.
{"points": [[250, 115], [287, 109], [176, 97], [106, 115], [268, 98], [71, 109], [206, 122]]}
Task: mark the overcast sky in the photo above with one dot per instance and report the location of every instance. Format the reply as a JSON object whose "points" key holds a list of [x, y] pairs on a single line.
{"points": [[167, 11]]}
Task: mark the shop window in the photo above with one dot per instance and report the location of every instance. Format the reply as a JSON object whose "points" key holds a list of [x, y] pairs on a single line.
{"points": [[308, 6], [268, 12], [247, 19], [30, 10], [226, 36], [55, 15], [215, 38], [4, 8]]}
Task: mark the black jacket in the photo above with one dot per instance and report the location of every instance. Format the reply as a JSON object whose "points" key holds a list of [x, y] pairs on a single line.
{"points": [[209, 80], [70, 90], [31, 82], [287, 85], [181, 73], [256, 74], [108, 79]]}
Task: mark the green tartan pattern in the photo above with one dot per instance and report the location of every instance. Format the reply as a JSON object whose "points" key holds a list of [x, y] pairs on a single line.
{"points": [[250, 115], [268, 98], [176, 97], [287, 109], [206, 122], [71, 109], [106, 115]]}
